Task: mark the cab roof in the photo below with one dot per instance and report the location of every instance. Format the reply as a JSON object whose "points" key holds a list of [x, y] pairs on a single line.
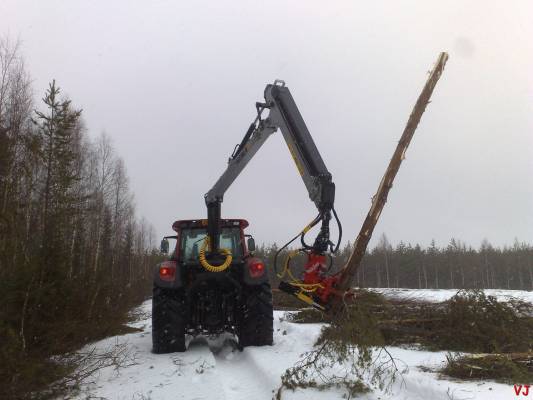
{"points": [[200, 223]]}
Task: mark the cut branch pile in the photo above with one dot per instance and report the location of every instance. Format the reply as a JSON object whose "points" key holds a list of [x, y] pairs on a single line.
{"points": [[507, 368], [470, 322]]}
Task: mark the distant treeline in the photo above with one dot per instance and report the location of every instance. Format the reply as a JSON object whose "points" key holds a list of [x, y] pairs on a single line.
{"points": [[73, 256], [454, 266]]}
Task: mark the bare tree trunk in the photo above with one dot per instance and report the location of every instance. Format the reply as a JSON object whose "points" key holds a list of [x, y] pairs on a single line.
{"points": [[520, 277], [97, 253], [99, 218], [93, 301], [387, 267], [380, 197], [451, 279], [425, 273], [71, 256], [486, 269], [530, 274], [23, 314]]}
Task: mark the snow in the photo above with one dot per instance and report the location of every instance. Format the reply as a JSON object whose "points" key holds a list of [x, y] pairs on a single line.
{"points": [[215, 369], [439, 295]]}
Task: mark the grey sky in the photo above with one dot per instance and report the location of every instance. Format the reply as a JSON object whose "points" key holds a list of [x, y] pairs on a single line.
{"points": [[175, 82]]}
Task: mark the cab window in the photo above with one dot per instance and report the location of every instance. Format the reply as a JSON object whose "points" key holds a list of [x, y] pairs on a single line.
{"points": [[192, 240]]}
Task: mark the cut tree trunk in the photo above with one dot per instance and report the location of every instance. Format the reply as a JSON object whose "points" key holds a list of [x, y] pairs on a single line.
{"points": [[380, 198]]}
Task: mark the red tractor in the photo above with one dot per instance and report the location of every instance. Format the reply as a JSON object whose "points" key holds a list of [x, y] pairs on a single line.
{"points": [[195, 293]]}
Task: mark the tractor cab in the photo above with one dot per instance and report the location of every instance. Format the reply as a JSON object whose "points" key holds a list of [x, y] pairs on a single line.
{"points": [[191, 235]]}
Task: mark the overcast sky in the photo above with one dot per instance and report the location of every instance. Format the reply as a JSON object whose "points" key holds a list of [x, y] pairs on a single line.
{"points": [[174, 83]]}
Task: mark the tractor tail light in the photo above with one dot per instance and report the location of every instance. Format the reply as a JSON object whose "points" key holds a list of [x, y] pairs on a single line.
{"points": [[167, 271], [257, 269]]}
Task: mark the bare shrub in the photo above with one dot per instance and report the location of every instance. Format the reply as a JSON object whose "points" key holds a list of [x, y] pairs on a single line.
{"points": [[84, 365]]}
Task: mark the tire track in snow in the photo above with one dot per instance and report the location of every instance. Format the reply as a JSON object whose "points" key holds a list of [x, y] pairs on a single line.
{"points": [[255, 373], [209, 369], [241, 376]]}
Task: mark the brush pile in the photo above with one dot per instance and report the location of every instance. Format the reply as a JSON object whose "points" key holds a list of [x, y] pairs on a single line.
{"points": [[469, 322]]}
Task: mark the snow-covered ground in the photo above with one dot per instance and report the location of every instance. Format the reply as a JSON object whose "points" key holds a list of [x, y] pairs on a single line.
{"points": [[214, 369], [438, 295]]}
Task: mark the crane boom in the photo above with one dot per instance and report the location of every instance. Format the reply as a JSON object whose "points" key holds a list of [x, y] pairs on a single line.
{"points": [[283, 114]]}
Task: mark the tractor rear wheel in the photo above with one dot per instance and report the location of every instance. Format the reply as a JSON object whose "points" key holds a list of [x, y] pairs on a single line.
{"points": [[168, 321], [255, 326]]}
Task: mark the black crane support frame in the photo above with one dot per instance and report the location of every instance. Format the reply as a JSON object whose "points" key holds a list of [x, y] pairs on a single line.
{"points": [[283, 114]]}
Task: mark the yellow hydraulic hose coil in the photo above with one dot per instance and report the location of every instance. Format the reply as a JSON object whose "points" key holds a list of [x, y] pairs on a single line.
{"points": [[214, 268]]}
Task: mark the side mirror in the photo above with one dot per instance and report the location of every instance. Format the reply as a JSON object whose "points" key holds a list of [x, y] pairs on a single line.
{"points": [[251, 244], [164, 246]]}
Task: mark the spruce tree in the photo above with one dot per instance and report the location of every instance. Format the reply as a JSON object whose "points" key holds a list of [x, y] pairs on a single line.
{"points": [[56, 129]]}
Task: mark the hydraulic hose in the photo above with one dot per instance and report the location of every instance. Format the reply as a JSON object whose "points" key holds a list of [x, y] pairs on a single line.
{"points": [[303, 232], [306, 229], [214, 268], [304, 287], [339, 225]]}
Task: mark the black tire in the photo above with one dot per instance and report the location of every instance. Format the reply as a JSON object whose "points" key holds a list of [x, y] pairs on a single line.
{"points": [[255, 326], [168, 322]]}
